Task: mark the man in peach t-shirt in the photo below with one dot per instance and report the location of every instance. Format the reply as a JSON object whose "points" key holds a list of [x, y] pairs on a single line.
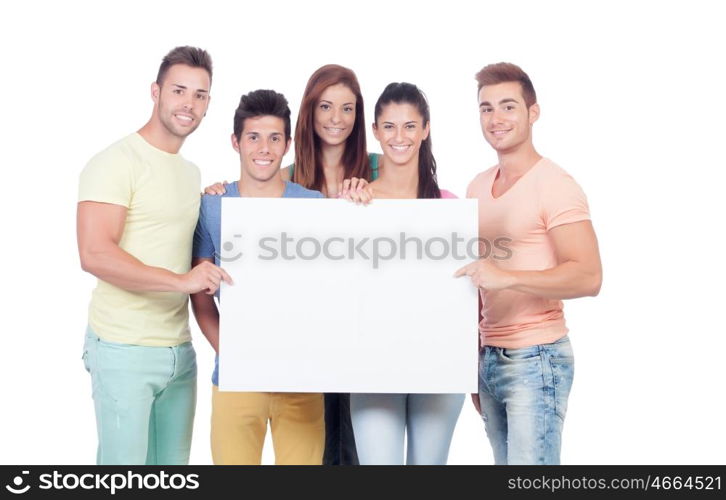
{"points": [[539, 247]]}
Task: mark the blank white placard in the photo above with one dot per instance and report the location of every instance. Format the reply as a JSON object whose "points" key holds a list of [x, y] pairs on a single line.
{"points": [[313, 310]]}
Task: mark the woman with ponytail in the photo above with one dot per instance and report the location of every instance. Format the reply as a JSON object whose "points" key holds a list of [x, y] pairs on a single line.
{"points": [[407, 170]]}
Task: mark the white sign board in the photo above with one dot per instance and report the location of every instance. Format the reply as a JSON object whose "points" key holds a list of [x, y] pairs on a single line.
{"points": [[329, 296]]}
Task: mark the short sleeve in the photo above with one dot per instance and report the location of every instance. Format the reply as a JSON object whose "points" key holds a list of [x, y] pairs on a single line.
{"points": [[562, 201], [203, 246], [447, 194], [293, 190], [107, 178]]}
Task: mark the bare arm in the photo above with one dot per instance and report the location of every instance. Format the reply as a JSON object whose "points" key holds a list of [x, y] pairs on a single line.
{"points": [[206, 312], [99, 230], [578, 272]]}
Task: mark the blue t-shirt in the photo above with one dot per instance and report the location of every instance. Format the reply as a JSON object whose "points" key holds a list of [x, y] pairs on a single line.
{"points": [[207, 236]]}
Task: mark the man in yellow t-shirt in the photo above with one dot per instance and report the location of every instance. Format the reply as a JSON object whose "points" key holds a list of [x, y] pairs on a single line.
{"points": [[138, 205], [540, 248]]}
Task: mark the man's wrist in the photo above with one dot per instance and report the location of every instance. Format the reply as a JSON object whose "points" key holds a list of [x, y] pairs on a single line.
{"points": [[175, 282]]}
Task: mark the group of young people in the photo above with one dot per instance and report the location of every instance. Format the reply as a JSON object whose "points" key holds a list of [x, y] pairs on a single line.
{"points": [[153, 243]]}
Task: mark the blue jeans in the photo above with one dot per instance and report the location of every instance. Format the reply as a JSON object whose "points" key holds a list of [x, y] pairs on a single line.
{"points": [[144, 399], [380, 422], [523, 395]]}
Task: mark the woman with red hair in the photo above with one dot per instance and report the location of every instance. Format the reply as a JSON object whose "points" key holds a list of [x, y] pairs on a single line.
{"points": [[331, 157], [330, 135]]}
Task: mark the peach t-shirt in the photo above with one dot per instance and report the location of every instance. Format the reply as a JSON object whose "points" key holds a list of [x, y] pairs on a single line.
{"points": [[515, 226]]}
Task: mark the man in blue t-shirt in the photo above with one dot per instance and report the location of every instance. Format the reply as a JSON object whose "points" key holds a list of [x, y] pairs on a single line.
{"points": [[239, 419]]}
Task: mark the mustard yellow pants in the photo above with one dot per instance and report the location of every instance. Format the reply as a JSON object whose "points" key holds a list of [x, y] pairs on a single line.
{"points": [[239, 424]]}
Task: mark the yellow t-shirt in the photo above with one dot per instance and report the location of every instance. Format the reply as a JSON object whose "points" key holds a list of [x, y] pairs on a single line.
{"points": [[161, 192]]}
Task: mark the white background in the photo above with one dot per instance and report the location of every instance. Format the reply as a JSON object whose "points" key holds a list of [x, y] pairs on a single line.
{"points": [[632, 98]]}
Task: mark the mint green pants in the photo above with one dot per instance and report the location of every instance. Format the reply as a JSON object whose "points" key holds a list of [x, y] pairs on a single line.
{"points": [[144, 399]]}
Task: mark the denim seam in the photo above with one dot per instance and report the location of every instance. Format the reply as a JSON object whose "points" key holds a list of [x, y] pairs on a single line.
{"points": [[548, 388], [152, 444], [489, 379], [555, 391], [174, 362], [97, 370]]}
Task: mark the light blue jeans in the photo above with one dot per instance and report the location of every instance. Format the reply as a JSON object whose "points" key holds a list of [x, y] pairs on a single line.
{"points": [[144, 399], [523, 395], [380, 422]]}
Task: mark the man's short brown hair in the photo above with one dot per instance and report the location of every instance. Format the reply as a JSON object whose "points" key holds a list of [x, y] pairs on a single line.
{"points": [[507, 72], [191, 56]]}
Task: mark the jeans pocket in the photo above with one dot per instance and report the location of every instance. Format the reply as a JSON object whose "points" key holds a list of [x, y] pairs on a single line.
{"points": [[561, 348], [521, 354], [88, 344], [85, 361]]}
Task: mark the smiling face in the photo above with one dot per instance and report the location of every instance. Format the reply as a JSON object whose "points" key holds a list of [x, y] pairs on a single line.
{"points": [[334, 115], [506, 122], [400, 130], [261, 147], [182, 99]]}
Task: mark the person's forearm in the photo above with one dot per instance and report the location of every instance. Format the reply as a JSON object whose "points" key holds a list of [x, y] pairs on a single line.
{"points": [[207, 316], [119, 268], [568, 280]]}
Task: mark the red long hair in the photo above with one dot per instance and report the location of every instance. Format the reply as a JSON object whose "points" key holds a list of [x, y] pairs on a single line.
{"points": [[308, 170]]}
